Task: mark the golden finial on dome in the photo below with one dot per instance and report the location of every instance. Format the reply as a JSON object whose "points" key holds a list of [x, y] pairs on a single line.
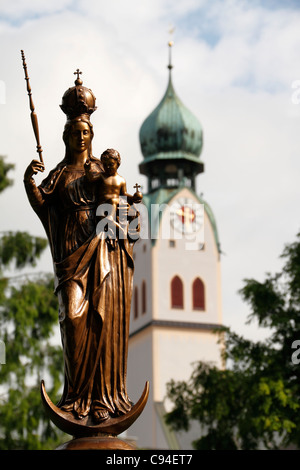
{"points": [[171, 31], [170, 44]]}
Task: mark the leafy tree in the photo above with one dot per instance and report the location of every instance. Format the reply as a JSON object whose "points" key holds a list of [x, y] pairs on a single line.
{"points": [[4, 169], [28, 316], [253, 403]]}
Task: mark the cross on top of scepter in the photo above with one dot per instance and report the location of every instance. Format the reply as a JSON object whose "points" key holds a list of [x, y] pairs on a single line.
{"points": [[137, 186]]}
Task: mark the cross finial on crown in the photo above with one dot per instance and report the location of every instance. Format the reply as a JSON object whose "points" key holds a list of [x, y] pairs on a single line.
{"points": [[78, 81]]}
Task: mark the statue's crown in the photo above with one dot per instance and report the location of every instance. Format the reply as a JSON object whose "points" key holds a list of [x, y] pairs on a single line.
{"points": [[78, 100]]}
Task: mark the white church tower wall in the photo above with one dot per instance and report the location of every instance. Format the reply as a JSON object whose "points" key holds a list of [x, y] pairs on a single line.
{"points": [[176, 302]]}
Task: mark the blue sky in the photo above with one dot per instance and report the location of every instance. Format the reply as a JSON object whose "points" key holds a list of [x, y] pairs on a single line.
{"points": [[234, 66]]}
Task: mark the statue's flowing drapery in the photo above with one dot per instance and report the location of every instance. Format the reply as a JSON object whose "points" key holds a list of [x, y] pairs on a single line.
{"points": [[93, 285]]}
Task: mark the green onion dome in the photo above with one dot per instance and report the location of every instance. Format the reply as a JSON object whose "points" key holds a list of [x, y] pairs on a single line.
{"points": [[171, 129]]}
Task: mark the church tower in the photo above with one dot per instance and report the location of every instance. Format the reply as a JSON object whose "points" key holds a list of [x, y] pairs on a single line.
{"points": [[176, 300]]}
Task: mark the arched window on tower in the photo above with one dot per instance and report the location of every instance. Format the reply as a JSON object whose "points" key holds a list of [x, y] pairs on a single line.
{"points": [[144, 298], [136, 303], [198, 291], [176, 292]]}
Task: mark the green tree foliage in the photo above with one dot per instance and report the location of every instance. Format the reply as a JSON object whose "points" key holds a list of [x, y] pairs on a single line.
{"points": [[4, 169], [255, 400], [28, 317], [20, 249]]}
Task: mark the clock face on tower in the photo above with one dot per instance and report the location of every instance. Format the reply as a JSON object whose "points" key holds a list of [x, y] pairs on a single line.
{"points": [[187, 215]]}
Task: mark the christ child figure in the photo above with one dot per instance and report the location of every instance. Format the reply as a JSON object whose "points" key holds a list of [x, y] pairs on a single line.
{"points": [[111, 186]]}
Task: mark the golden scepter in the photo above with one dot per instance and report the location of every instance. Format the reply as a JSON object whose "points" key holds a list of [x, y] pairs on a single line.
{"points": [[34, 119]]}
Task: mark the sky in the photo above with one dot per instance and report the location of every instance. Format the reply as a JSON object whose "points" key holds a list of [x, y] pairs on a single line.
{"points": [[236, 67]]}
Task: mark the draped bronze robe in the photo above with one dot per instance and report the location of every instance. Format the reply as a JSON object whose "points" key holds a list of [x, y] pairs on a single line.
{"points": [[94, 286]]}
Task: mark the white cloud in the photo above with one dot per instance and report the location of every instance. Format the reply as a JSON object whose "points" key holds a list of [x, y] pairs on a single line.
{"points": [[20, 10], [239, 86]]}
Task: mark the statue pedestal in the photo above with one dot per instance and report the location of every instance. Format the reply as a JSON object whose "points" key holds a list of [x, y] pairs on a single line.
{"points": [[104, 442]]}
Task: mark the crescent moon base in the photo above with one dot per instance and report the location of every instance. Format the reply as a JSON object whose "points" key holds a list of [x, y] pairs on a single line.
{"points": [[89, 436]]}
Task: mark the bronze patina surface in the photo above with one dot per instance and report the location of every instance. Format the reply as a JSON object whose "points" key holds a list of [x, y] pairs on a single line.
{"points": [[92, 251]]}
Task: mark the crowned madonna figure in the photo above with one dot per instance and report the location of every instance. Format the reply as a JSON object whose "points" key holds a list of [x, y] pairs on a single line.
{"points": [[93, 268]]}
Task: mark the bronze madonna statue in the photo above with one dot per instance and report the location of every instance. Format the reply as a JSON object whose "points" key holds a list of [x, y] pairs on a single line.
{"points": [[93, 267]]}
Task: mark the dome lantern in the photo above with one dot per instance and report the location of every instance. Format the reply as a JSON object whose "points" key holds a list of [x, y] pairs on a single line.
{"points": [[171, 141]]}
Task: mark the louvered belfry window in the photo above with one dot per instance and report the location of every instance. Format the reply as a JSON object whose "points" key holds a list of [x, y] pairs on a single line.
{"points": [[198, 294], [176, 292]]}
